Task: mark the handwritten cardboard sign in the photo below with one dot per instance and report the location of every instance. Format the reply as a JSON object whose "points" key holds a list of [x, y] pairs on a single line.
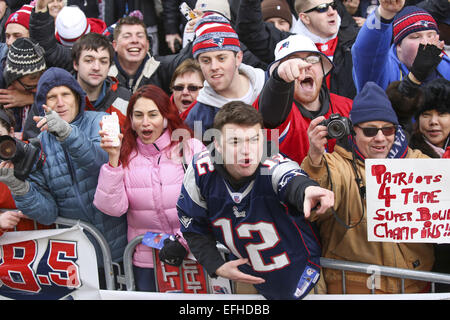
{"points": [[408, 200]]}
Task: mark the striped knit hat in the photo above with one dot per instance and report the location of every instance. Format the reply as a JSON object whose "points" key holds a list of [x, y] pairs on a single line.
{"points": [[214, 33], [412, 19], [25, 57]]}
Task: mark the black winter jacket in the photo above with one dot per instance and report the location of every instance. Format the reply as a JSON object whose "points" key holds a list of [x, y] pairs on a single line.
{"points": [[154, 70], [42, 30]]}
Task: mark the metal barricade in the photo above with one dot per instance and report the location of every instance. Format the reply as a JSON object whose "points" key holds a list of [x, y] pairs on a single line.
{"points": [[378, 270], [106, 252], [128, 265], [370, 269], [128, 262]]}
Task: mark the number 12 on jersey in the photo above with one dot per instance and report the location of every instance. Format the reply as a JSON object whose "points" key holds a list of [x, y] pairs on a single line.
{"points": [[268, 235]]}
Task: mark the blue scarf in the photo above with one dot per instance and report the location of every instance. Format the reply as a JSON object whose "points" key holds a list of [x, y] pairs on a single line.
{"points": [[398, 150]]}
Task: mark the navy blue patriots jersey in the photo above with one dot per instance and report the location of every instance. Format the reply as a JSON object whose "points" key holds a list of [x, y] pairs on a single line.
{"points": [[254, 223]]}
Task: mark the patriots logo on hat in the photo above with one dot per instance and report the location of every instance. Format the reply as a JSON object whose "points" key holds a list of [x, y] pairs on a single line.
{"points": [[284, 45], [420, 23], [216, 41], [14, 18]]}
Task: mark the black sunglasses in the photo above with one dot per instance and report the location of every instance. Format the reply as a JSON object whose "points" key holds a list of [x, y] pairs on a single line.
{"points": [[190, 88], [373, 131], [322, 7], [27, 87]]}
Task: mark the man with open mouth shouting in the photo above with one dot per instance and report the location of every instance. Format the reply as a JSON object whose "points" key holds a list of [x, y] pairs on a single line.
{"points": [[296, 93]]}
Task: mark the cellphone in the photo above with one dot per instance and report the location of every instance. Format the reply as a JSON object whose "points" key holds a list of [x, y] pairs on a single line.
{"points": [[112, 127], [187, 12]]}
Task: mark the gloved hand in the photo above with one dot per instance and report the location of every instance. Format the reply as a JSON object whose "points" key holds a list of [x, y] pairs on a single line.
{"points": [[17, 187], [408, 88], [427, 59], [57, 126], [173, 252]]}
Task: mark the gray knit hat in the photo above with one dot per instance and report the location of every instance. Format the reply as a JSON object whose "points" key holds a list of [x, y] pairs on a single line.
{"points": [[25, 56]]}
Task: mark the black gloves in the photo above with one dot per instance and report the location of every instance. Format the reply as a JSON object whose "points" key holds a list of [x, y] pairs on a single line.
{"points": [[173, 252], [408, 88], [427, 59]]}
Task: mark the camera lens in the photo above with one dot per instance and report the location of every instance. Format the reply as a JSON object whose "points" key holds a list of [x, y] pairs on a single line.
{"points": [[7, 148], [336, 129]]}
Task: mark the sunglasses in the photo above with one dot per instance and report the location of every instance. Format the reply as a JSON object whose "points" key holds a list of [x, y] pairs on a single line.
{"points": [[27, 87], [190, 88], [372, 131], [313, 59], [322, 7]]}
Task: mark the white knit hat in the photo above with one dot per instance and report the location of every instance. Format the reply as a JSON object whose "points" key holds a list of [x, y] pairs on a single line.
{"points": [[71, 24], [219, 6], [299, 43]]}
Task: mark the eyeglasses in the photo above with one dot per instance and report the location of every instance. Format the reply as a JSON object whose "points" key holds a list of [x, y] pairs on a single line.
{"points": [[372, 131], [323, 7], [189, 87], [311, 59], [27, 87]]}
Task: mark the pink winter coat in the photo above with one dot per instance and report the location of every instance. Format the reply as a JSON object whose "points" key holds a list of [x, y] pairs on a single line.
{"points": [[147, 190]]}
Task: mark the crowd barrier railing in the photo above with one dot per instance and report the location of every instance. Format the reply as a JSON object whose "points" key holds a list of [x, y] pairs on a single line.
{"points": [[106, 252], [127, 278], [128, 262], [376, 271], [128, 266], [373, 270]]}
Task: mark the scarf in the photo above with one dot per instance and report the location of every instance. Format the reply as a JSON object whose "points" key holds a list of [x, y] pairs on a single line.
{"points": [[439, 151], [399, 148]]}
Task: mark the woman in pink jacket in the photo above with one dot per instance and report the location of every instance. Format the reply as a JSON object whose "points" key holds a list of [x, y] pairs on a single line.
{"points": [[144, 175]]}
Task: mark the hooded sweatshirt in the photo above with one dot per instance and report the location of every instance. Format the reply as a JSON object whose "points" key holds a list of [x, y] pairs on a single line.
{"points": [[209, 101]]}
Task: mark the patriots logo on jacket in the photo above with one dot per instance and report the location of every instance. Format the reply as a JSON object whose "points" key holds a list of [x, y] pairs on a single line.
{"points": [[216, 41]]}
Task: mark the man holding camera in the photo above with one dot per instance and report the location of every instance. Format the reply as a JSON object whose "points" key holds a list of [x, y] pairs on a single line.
{"points": [[296, 93], [375, 134], [66, 182]]}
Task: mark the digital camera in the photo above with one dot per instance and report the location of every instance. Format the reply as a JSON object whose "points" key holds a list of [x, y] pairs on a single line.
{"points": [[22, 155], [337, 126]]}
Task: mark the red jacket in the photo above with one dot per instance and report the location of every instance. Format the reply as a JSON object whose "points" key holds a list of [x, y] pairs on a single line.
{"points": [[7, 202], [293, 137]]}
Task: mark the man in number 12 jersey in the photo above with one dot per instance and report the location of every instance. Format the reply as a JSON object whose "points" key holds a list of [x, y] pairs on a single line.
{"points": [[254, 204]]}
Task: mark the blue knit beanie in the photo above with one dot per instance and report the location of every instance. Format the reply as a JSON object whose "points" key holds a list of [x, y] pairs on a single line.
{"points": [[412, 19], [372, 104]]}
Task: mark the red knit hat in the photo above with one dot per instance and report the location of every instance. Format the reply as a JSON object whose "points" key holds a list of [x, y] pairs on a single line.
{"points": [[21, 16], [214, 33], [412, 19]]}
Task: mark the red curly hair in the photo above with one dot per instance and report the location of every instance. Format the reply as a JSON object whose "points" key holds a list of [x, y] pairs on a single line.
{"points": [[167, 109]]}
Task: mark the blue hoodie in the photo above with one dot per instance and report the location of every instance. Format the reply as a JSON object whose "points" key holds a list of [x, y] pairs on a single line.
{"points": [[66, 184]]}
